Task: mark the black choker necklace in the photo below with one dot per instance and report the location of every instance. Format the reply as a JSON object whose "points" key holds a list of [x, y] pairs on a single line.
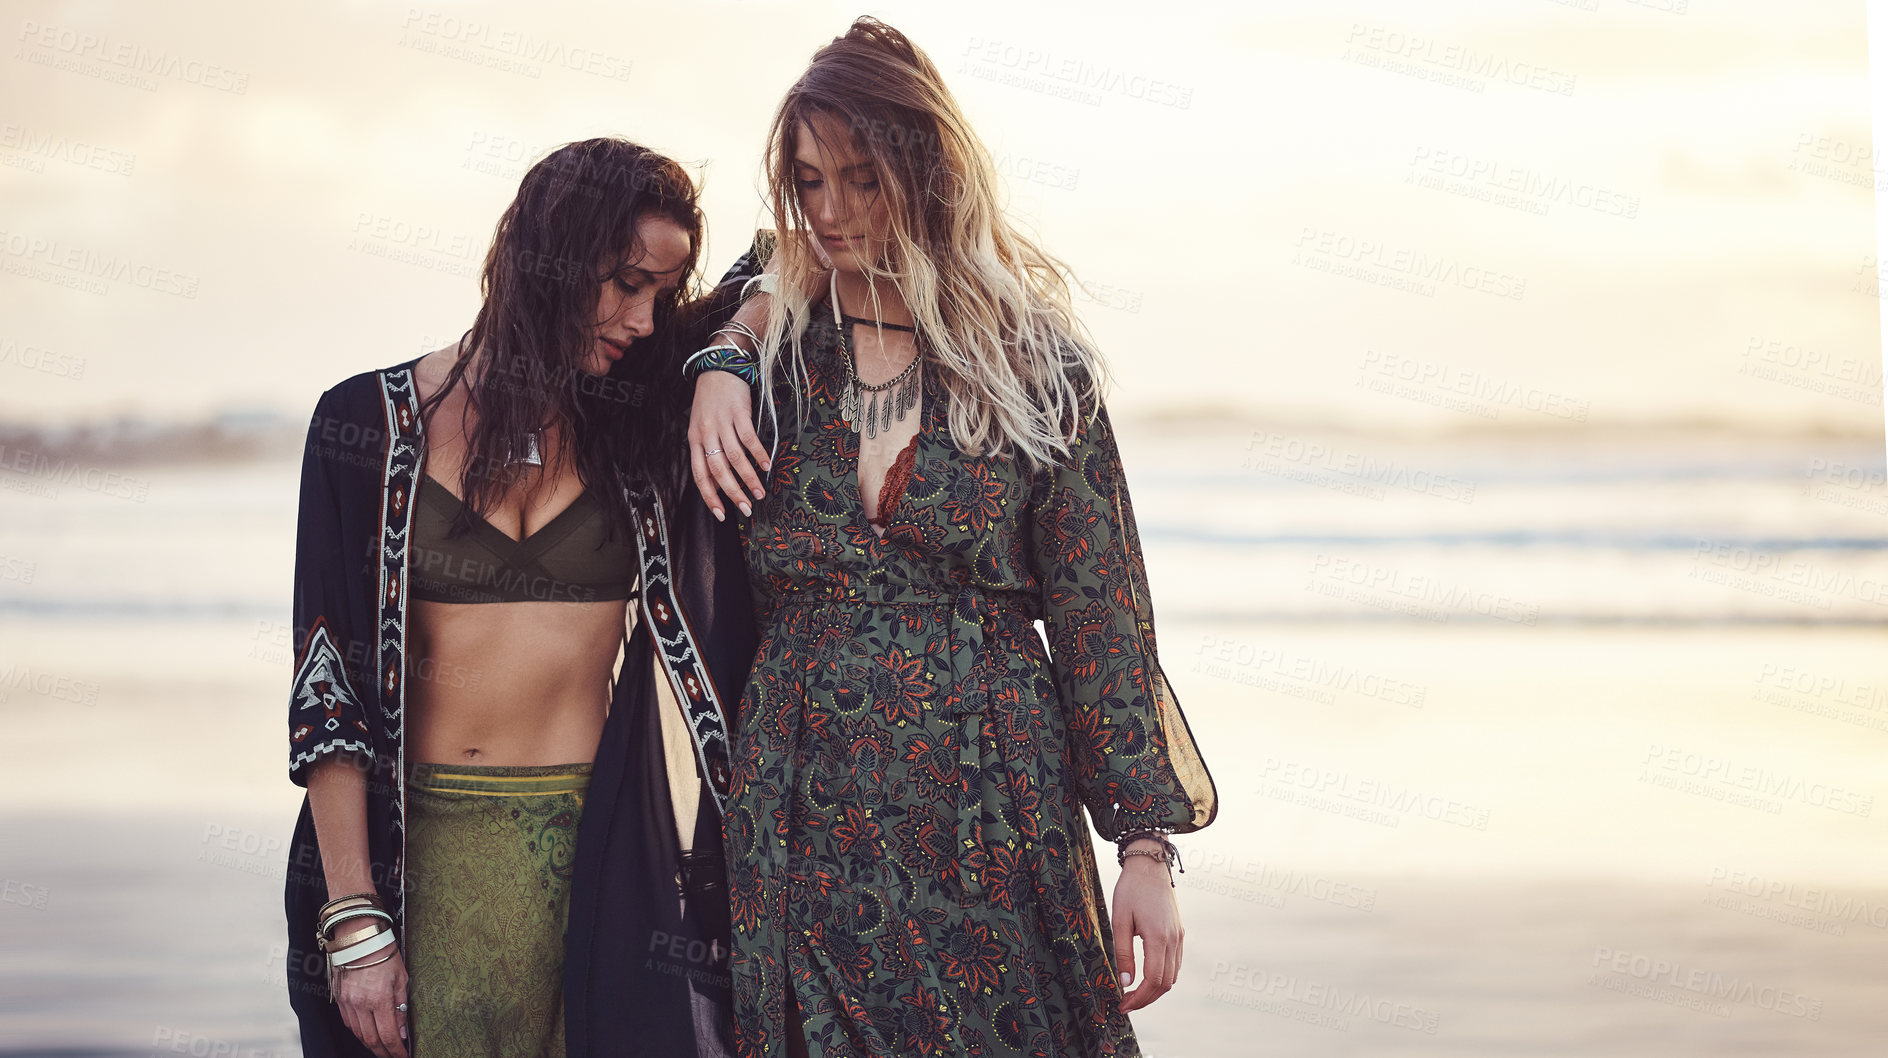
{"points": [[878, 323]]}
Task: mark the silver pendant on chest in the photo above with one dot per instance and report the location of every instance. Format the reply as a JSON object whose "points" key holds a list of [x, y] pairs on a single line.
{"points": [[849, 405], [533, 456], [882, 406]]}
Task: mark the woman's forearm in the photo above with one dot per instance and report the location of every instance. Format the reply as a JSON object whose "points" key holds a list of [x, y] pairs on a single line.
{"points": [[337, 798], [753, 315]]}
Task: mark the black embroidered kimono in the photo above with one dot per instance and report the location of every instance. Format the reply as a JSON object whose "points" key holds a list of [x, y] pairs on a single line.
{"points": [[645, 960]]}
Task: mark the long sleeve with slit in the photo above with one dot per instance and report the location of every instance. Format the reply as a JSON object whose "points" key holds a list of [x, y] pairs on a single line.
{"points": [[1130, 751]]}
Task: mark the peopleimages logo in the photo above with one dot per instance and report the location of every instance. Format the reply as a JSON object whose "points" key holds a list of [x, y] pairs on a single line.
{"points": [[82, 263], [1497, 182], [1299, 675], [1067, 76], [1302, 997], [120, 60], [512, 51], [1401, 52], [1471, 392], [1397, 799], [1342, 253], [1271, 451], [37, 145], [1704, 985], [1663, 765], [1845, 907]]}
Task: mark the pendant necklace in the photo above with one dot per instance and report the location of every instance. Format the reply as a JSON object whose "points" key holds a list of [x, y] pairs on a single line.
{"points": [[887, 402], [533, 456]]}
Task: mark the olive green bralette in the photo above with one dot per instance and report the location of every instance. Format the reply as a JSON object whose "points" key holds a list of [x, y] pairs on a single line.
{"points": [[566, 560]]}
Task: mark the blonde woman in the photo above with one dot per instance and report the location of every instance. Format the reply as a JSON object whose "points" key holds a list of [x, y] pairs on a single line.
{"points": [[909, 869]]}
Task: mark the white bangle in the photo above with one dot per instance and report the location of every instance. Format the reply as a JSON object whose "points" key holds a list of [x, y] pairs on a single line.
{"points": [[736, 327], [332, 924], [339, 959]]}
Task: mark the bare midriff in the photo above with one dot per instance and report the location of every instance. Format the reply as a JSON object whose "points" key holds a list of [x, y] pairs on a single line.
{"points": [[513, 684]]}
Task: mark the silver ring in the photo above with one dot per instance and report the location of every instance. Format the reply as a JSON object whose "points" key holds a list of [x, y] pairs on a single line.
{"points": [[401, 1008], [713, 452]]}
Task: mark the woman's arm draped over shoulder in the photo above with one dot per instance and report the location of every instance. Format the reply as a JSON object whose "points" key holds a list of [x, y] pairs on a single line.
{"points": [[726, 455], [1133, 757]]}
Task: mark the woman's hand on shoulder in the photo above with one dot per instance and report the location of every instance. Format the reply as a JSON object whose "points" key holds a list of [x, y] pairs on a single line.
{"points": [[723, 449]]}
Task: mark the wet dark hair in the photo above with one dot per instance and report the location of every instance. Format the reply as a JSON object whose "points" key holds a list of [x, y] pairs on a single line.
{"points": [[572, 228]]}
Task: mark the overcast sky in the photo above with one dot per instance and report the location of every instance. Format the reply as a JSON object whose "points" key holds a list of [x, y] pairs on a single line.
{"points": [[1600, 208]]}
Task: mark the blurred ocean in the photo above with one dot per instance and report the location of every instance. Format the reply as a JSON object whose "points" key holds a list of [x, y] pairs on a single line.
{"points": [[1535, 733], [1526, 743]]}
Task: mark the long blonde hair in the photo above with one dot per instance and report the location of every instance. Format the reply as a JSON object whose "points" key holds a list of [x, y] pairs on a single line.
{"points": [[994, 308]]}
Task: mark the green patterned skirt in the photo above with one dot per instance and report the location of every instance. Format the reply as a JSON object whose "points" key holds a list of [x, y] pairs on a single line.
{"points": [[490, 852]]}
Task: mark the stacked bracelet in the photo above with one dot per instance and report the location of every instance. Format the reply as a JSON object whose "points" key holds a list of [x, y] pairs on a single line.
{"points": [[726, 355], [341, 908], [356, 950]]}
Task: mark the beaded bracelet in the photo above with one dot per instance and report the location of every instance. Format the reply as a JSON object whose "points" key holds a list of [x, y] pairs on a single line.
{"points": [[1169, 853], [1158, 855]]}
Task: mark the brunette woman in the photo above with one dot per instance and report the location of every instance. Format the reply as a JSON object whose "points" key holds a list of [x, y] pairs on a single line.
{"points": [[506, 706], [910, 873]]}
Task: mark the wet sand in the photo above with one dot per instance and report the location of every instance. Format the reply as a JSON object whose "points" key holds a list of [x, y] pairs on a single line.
{"points": [[1369, 966], [1487, 872]]}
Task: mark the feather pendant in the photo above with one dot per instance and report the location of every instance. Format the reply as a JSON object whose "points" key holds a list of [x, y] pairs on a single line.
{"points": [[908, 398]]}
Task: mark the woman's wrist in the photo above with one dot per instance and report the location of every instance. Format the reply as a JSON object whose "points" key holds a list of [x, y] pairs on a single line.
{"points": [[1151, 845], [732, 349], [723, 356], [1134, 864]]}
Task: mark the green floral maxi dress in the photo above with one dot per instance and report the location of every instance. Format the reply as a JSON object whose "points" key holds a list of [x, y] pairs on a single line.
{"points": [[905, 839]]}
